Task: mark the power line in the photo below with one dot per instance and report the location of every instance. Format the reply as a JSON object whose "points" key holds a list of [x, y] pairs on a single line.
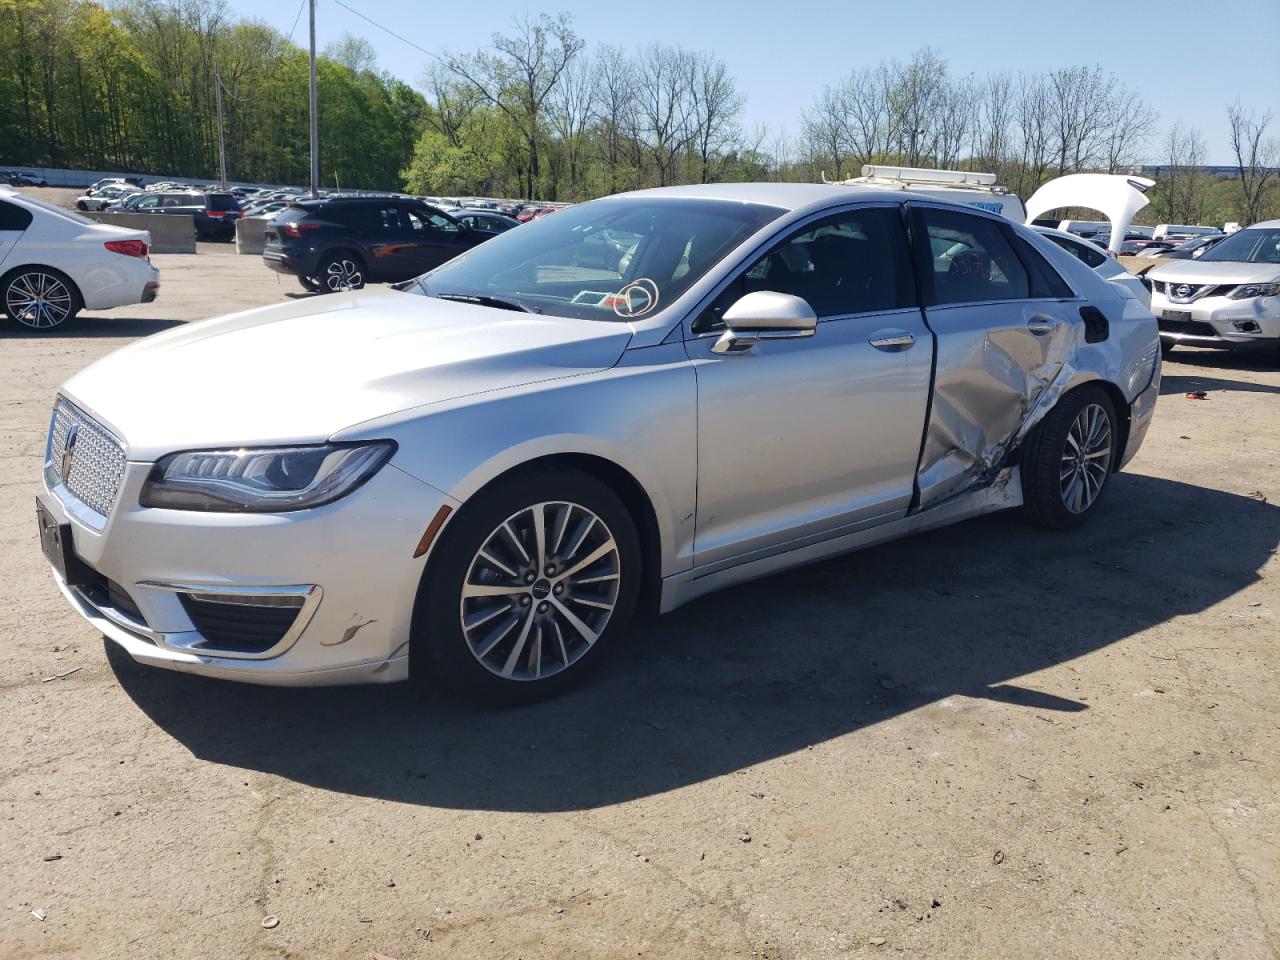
{"points": [[295, 21], [386, 29]]}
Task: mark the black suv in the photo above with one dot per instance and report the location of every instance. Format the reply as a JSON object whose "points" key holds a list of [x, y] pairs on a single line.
{"points": [[342, 243], [214, 214]]}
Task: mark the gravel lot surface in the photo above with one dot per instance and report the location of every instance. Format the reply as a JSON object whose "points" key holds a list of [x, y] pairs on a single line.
{"points": [[987, 741]]}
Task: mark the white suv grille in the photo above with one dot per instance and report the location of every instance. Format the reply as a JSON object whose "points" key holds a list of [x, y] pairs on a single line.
{"points": [[96, 465]]}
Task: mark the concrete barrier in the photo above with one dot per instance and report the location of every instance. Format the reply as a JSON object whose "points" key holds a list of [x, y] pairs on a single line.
{"points": [[251, 235], [170, 233]]}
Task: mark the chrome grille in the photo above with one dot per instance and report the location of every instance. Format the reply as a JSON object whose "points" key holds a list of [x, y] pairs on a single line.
{"points": [[97, 464]]}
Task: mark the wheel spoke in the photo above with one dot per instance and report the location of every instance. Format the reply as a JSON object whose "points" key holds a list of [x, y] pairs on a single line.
{"points": [[587, 633], [600, 551], [492, 590], [518, 647], [540, 537], [491, 559]]}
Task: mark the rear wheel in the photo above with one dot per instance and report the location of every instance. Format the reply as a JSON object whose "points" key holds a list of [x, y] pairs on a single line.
{"points": [[308, 283], [39, 298], [1067, 460], [340, 271], [528, 589]]}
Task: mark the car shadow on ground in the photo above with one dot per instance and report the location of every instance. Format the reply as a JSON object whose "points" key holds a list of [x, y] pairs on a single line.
{"points": [[758, 671], [91, 328]]}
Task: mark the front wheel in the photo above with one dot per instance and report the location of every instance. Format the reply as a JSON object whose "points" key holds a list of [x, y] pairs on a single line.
{"points": [[528, 588], [340, 271], [1067, 460]]}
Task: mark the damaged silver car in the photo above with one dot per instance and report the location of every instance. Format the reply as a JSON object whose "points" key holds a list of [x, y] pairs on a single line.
{"points": [[631, 403]]}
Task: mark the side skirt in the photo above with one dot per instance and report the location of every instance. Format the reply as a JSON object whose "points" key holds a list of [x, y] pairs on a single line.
{"points": [[1003, 492]]}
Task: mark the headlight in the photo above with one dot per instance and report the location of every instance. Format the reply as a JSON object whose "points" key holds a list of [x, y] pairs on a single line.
{"points": [[265, 480], [1247, 290]]}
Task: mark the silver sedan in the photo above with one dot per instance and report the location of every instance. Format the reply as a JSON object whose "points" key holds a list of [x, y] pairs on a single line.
{"points": [[477, 477]]}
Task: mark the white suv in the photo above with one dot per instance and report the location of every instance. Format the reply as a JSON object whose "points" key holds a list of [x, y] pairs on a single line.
{"points": [[54, 262], [1230, 297]]}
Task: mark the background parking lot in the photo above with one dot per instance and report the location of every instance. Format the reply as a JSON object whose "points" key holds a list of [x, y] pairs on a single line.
{"points": [[980, 742]]}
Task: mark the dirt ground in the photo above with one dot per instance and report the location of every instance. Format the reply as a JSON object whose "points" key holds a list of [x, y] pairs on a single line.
{"points": [[986, 742]]}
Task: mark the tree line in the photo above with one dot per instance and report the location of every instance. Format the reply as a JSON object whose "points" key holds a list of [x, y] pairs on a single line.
{"points": [[538, 114]]}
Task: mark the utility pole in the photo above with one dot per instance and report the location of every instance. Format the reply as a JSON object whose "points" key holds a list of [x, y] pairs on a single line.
{"points": [[315, 136], [222, 141]]}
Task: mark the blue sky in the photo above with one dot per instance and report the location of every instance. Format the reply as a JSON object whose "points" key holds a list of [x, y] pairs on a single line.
{"points": [[1188, 58]]}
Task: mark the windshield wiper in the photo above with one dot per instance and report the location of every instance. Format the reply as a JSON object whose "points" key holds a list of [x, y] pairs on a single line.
{"points": [[487, 301]]}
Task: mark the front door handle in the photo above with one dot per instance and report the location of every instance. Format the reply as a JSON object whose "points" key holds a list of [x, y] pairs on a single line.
{"points": [[1041, 324], [892, 340]]}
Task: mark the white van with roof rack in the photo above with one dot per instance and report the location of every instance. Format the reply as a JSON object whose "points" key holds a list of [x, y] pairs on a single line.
{"points": [[959, 186]]}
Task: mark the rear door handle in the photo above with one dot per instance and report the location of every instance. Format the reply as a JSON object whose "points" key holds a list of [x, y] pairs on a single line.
{"points": [[891, 340], [1041, 324]]}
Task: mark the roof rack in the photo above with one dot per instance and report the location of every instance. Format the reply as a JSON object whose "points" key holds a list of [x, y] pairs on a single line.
{"points": [[904, 178]]}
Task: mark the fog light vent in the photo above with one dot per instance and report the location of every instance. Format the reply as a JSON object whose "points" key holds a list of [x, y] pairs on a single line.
{"points": [[242, 623]]}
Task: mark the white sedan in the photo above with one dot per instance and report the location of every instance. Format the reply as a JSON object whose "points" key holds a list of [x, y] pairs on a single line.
{"points": [[1101, 262], [53, 263]]}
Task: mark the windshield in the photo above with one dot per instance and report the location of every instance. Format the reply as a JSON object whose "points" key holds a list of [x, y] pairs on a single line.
{"points": [[615, 259], [1247, 246]]}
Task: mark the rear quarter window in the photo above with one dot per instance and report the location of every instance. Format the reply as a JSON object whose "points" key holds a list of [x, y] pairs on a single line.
{"points": [[13, 217], [222, 201]]}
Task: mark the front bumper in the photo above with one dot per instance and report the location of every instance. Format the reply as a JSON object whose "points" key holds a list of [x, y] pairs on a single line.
{"points": [[354, 556], [1219, 321]]}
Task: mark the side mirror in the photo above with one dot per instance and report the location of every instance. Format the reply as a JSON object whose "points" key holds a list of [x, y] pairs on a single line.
{"points": [[765, 315]]}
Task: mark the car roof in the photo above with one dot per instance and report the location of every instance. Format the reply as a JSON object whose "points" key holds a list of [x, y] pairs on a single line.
{"points": [[1264, 225], [798, 197]]}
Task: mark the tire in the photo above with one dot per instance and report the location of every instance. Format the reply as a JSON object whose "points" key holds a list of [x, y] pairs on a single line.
{"points": [[340, 271], [39, 298], [521, 643], [1068, 459], [308, 284], [81, 205]]}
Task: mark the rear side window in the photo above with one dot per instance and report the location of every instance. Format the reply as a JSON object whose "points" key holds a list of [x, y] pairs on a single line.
{"points": [[1090, 256], [1046, 282], [13, 217], [970, 259]]}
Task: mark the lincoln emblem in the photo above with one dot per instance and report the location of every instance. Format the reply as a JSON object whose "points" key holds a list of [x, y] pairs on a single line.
{"points": [[69, 452]]}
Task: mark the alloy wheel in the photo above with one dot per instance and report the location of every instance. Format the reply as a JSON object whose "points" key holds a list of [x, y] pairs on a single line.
{"points": [[38, 300], [343, 274], [1086, 458], [540, 591]]}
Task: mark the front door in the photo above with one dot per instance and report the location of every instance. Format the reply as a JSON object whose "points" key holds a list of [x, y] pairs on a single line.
{"points": [[798, 439], [1003, 321]]}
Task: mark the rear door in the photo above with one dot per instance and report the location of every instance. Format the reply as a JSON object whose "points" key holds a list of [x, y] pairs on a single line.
{"points": [[1003, 322], [14, 220]]}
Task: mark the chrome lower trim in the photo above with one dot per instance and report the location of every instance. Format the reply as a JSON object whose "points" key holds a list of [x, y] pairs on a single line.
{"points": [[192, 641]]}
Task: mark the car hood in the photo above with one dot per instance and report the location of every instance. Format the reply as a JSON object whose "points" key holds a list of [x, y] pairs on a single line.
{"points": [[1219, 272], [301, 372]]}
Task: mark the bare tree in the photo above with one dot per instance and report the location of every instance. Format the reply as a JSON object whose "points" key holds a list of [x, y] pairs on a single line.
{"points": [[615, 109], [454, 101], [716, 108], [1129, 123], [1257, 158], [1183, 188], [355, 53], [663, 82], [519, 73], [572, 106]]}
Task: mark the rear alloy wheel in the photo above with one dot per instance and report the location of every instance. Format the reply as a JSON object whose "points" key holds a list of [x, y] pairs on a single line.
{"points": [[527, 588], [40, 299], [308, 283], [1068, 459], [341, 272]]}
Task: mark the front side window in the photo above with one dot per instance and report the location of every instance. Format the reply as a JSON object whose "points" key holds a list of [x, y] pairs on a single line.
{"points": [[971, 260], [423, 221], [619, 258], [850, 263]]}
